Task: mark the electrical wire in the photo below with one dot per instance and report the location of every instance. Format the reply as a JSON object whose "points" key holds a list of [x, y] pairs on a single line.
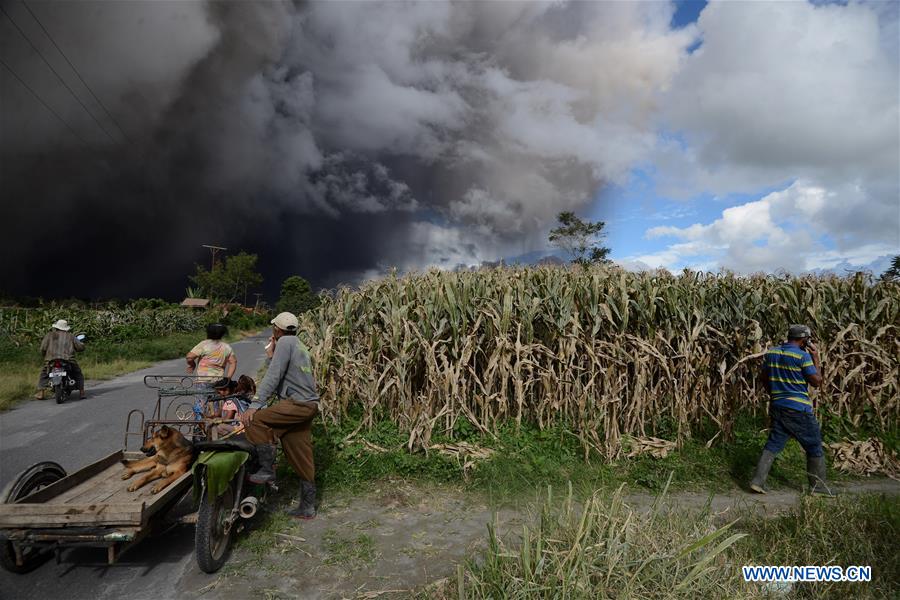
{"points": [[45, 105], [72, 66], [58, 76]]}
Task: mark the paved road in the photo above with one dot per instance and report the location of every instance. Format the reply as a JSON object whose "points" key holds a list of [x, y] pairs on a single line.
{"points": [[75, 434]]}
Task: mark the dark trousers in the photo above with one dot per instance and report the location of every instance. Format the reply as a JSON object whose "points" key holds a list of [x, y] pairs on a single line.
{"points": [[802, 426], [73, 370], [291, 422]]}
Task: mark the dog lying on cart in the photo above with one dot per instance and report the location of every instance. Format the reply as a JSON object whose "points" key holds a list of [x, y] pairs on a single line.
{"points": [[121, 499]]}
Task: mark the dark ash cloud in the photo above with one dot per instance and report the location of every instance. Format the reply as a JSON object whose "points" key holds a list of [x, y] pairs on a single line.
{"points": [[334, 139]]}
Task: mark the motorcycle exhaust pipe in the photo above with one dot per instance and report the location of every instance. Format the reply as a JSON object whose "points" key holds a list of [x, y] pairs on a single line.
{"points": [[249, 506]]}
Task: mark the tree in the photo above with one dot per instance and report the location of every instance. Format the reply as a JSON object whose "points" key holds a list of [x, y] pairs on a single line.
{"points": [[296, 296], [229, 280], [580, 239], [893, 272]]}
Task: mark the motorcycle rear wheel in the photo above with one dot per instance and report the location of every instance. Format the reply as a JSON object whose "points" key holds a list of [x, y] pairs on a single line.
{"points": [[60, 394]]}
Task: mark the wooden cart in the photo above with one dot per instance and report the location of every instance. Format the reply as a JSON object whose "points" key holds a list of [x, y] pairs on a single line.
{"points": [[46, 510], [90, 507]]}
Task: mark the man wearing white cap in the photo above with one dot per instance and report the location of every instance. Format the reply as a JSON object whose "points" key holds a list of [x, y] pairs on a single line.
{"points": [[288, 417], [60, 344]]}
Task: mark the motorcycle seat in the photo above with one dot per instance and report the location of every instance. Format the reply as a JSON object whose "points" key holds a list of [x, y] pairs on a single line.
{"points": [[226, 446]]}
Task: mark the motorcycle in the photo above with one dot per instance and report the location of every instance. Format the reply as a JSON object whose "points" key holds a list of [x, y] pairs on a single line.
{"points": [[60, 372], [219, 517]]}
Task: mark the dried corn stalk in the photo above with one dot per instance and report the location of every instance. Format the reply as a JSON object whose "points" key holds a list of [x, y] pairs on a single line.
{"points": [[608, 353], [467, 455], [865, 458], [655, 447]]}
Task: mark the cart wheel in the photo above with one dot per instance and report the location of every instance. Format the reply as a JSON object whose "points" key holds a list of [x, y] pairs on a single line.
{"points": [[29, 481], [212, 537]]}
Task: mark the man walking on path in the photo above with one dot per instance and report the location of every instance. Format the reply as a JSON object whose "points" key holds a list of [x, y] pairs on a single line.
{"points": [[290, 379], [60, 344], [788, 371]]}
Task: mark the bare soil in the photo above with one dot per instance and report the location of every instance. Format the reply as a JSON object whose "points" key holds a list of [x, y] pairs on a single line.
{"points": [[399, 538]]}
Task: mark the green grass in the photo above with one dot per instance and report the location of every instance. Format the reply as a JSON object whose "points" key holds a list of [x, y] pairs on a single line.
{"points": [[529, 459], [356, 550], [101, 360], [858, 530], [609, 550]]}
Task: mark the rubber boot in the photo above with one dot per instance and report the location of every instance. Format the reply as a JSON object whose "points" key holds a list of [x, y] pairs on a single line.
{"points": [[306, 506], [815, 471], [758, 483], [265, 454]]}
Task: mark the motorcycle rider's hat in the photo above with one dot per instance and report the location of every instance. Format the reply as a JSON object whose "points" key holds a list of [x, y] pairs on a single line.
{"points": [[62, 325]]}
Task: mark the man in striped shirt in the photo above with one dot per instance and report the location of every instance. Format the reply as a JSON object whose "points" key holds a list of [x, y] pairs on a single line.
{"points": [[789, 370]]}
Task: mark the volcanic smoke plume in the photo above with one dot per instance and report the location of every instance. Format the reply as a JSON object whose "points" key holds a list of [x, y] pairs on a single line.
{"points": [[336, 139]]}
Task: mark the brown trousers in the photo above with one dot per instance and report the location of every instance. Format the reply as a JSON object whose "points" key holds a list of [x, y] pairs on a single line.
{"points": [[291, 422]]}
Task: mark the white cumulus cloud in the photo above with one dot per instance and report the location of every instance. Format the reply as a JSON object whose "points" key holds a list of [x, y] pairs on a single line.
{"points": [[792, 229]]}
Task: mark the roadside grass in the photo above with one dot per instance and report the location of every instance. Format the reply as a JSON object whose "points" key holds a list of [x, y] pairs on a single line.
{"points": [[530, 459], [18, 383], [607, 549], [101, 360], [846, 531]]}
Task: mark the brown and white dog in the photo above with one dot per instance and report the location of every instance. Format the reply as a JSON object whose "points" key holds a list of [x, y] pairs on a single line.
{"points": [[173, 455]]}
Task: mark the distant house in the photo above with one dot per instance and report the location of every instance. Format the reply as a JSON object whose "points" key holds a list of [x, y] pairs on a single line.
{"points": [[195, 302]]}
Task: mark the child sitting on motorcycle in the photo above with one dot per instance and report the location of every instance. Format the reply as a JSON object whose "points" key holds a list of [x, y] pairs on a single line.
{"points": [[238, 394]]}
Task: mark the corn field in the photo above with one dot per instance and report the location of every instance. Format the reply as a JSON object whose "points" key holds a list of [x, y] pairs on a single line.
{"points": [[28, 325], [605, 352]]}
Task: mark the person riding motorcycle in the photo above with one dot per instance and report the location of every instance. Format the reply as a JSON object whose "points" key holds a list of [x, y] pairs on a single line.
{"points": [[60, 344]]}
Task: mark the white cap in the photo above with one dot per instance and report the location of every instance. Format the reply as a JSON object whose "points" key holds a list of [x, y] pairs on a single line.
{"points": [[62, 325], [285, 321]]}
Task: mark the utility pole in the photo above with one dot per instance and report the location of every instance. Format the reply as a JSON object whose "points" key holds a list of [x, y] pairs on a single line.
{"points": [[256, 308], [213, 250]]}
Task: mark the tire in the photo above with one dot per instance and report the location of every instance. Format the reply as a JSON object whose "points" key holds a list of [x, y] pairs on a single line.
{"points": [[212, 545], [60, 395], [29, 481]]}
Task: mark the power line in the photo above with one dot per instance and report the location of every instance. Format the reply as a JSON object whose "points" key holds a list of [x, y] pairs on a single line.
{"points": [[80, 78], [58, 76], [47, 106]]}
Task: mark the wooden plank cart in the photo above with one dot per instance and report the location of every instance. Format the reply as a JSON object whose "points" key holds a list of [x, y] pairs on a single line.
{"points": [[45, 509]]}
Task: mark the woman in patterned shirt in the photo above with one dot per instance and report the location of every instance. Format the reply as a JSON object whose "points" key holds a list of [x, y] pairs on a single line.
{"points": [[212, 358]]}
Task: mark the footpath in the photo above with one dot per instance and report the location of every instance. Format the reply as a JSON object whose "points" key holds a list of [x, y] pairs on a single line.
{"points": [[399, 539]]}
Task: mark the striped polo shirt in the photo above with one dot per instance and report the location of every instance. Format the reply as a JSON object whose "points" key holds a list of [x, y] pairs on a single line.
{"points": [[787, 366]]}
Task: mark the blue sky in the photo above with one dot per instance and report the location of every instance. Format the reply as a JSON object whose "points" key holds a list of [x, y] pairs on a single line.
{"points": [[686, 12]]}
